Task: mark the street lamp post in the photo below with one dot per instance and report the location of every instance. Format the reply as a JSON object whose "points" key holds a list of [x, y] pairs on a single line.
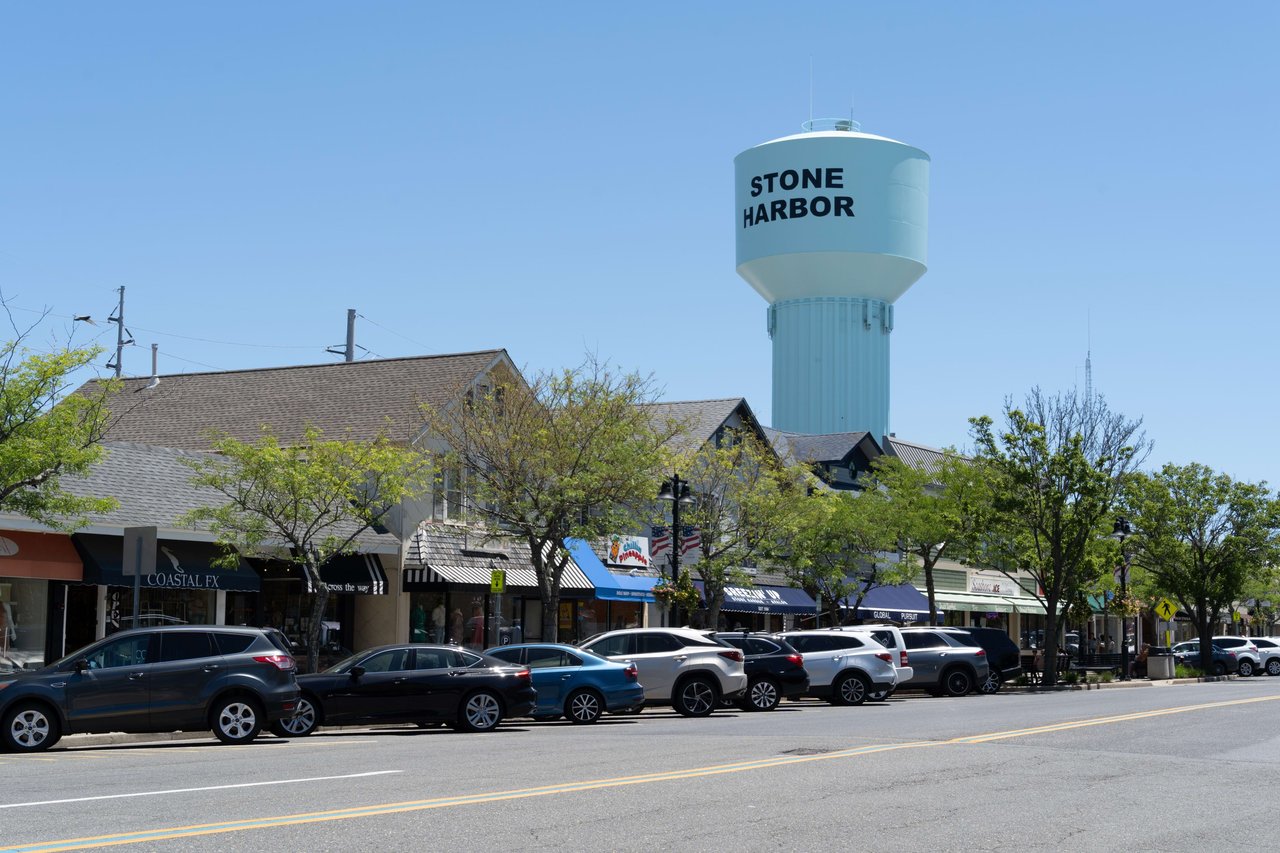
{"points": [[1122, 530], [676, 491]]}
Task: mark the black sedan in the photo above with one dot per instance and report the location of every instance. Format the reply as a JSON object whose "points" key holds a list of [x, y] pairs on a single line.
{"points": [[413, 683], [775, 670]]}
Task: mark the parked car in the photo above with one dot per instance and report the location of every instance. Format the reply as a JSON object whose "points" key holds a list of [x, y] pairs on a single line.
{"points": [[1222, 662], [890, 637], [1269, 650], [1248, 658], [574, 682], [775, 670], [844, 667], [412, 683], [161, 679], [687, 669], [945, 660], [1004, 660]]}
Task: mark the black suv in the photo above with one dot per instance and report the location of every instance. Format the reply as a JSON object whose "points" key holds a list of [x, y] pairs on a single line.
{"points": [[1004, 660], [163, 679], [775, 670]]}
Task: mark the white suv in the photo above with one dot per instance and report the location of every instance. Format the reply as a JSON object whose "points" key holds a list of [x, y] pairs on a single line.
{"points": [[690, 670], [891, 638], [1247, 654], [844, 668], [1269, 649]]}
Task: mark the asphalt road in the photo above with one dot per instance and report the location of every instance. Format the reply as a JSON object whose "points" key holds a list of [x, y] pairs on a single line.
{"points": [[1182, 767]]}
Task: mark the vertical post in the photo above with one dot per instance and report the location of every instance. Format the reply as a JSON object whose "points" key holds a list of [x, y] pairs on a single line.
{"points": [[1124, 620], [351, 334], [137, 587], [676, 543], [120, 337]]}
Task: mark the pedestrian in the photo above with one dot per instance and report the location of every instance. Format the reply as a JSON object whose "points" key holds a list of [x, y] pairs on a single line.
{"points": [[1138, 669]]}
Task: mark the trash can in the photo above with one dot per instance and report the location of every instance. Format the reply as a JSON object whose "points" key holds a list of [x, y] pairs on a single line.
{"points": [[1159, 665]]}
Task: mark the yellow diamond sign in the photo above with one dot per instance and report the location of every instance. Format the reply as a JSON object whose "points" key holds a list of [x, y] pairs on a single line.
{"points": [[1165, 609]]}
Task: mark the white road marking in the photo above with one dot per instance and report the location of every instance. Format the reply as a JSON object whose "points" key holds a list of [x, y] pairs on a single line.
{"points": [[192, 790]]}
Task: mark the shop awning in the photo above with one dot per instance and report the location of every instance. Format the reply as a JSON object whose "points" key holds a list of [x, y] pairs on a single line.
{"points": [[50, 556], [972, 601], [608, 585], [1027, 605], [179, 565], [361, 574], [764, 599], [431, 576], [895, 603]]}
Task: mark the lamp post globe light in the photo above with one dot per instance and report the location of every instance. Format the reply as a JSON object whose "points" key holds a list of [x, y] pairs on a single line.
{"points": [[1121, 531], [676, 491]]}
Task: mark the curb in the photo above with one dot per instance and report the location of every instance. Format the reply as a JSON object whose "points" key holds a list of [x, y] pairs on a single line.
{"points": [[1103, 685]]}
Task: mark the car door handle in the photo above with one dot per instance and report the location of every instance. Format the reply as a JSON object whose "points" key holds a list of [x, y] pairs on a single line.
{"points": [[134, 676], [213, 667], [681, 657], [565, 677], [457, 672], [399, 680]]}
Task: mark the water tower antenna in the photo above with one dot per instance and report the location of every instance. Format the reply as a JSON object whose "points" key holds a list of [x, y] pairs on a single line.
{"points": [[1088, 357]]}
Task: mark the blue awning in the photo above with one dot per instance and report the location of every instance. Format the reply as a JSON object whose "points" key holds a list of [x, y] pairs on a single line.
{"points": [[764, 599], [609, 586], [899, 603]]}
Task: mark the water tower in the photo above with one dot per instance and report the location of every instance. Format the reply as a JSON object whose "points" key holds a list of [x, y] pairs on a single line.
{"points": [[832, 227]]}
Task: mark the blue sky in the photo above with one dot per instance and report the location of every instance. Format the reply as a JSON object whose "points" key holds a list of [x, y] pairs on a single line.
{"points": [[558, 178]]}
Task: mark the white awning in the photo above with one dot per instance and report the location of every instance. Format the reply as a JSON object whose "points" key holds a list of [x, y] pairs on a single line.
{"points": [[972, 601]]}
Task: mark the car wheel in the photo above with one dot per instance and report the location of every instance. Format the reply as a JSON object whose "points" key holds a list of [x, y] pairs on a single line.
{"points": [[853, 689], [1273, 666], [1219, 668], [762, 695], [1246, 669], [957, 682], [302, 723], [29, 727], [236, 720], [583, 706], [481, 712], [991, 684], [696, 697]]}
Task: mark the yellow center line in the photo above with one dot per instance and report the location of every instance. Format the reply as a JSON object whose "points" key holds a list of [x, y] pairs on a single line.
{"points": [[145, 836]]}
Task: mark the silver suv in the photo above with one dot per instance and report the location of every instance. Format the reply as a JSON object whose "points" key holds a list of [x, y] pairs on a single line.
{"points": [[844, 668], [687, 669], [1247, 654], [889, 636], [945, 660]]}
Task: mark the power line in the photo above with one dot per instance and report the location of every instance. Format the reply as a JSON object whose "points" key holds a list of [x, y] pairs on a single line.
{"points": [[394, 332]]}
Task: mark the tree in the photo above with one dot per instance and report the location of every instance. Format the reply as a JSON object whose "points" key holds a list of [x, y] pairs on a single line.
{"points": [[934, 510], [46, 433], [837, 548], [1055, 475], [305, 503], [1203, 538], [571, 454], [743, 497]]}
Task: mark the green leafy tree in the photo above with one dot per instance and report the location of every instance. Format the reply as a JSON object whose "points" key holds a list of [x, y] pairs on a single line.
{"points": [[935, 510], [571, 454], [1055, 474], [46, 433], [1203, 538], [304, 503]]}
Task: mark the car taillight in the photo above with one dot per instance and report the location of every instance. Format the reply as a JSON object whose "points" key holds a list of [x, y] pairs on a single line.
{"points": [[1231, 654], [902, 658], [284, 662], [798, 660], [524, 674], [733, 655], [981, 653], [631, 672], [886, 657]]}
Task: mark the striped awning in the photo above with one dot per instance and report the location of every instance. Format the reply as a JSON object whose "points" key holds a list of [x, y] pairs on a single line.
{"points": [[523, 577]]}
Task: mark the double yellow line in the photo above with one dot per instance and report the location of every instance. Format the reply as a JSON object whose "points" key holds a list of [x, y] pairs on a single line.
{"points": [[145, 836]]}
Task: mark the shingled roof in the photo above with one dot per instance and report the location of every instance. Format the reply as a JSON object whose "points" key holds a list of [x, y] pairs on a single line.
{"points": [[828, 447], [357, 398], [702, 417]]}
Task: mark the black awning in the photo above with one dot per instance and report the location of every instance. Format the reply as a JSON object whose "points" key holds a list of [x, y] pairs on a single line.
{"points": [[358, 573], [179, 565]]}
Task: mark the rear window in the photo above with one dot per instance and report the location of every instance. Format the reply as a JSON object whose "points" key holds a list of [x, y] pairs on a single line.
{"points": [[234, 644], [963, 639]]}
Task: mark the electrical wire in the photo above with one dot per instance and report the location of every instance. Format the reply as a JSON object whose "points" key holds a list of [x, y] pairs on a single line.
{"points": [[394, 332]]}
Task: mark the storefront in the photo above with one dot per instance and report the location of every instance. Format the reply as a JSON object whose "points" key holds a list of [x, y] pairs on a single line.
{"points": [[619, 599], [761, 607], [901, 604], [34, 567]]}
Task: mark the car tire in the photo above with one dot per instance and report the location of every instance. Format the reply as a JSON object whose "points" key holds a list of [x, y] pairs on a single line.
{"points": [[1219, 668], [583, 707], [304, 721], [957, 682], [236, 719], [695, 697], [1246, 669], [29, 727], [1273, 666], [762, 695], [480, 712], [853, 689], [991, 685]]}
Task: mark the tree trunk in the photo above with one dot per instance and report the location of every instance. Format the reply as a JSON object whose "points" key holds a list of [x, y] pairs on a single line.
{"points": [[1205, 629], [318, 603], [930, 592], [1050, 674], [550, 617]]}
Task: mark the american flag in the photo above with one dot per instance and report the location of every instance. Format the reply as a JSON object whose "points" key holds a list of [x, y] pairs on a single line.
{"points": [[690, 540], [659, 541]]}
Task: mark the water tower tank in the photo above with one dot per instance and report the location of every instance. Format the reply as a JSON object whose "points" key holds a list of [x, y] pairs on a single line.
{"points": [[832, 227]]}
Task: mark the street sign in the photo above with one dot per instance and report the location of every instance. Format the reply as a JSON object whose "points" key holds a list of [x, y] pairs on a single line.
{"points": [[498, 581], [1165, 609], [139, 551]]}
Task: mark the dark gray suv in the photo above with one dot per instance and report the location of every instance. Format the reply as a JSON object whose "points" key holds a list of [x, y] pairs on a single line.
{"points": [[230, 680]]}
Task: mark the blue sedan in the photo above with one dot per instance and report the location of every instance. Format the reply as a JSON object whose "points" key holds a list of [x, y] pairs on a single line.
{"points": [[574, 682]]}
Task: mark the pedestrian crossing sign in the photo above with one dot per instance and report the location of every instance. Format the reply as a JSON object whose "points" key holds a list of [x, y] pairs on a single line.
{"points": [[1165, 609], [498, 581]]}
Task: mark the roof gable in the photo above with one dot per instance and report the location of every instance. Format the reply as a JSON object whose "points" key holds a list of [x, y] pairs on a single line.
{"points": [[703, 418]]}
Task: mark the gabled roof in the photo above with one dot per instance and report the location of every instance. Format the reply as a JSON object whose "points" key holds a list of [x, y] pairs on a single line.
{"points": [[153, 488], [916, 455], [837, 447], [358, 398], [703, 418]]}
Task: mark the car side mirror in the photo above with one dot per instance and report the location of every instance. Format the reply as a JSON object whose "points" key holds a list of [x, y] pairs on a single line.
{"points": [[357, 671], [80, 664]]}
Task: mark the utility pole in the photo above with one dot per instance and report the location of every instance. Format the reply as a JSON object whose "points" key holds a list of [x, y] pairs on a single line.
{"points": [[118, 319], [348, 353]]}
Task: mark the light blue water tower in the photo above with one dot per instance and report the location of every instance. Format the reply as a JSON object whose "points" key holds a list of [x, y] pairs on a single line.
{"points": [[832, 227]]}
